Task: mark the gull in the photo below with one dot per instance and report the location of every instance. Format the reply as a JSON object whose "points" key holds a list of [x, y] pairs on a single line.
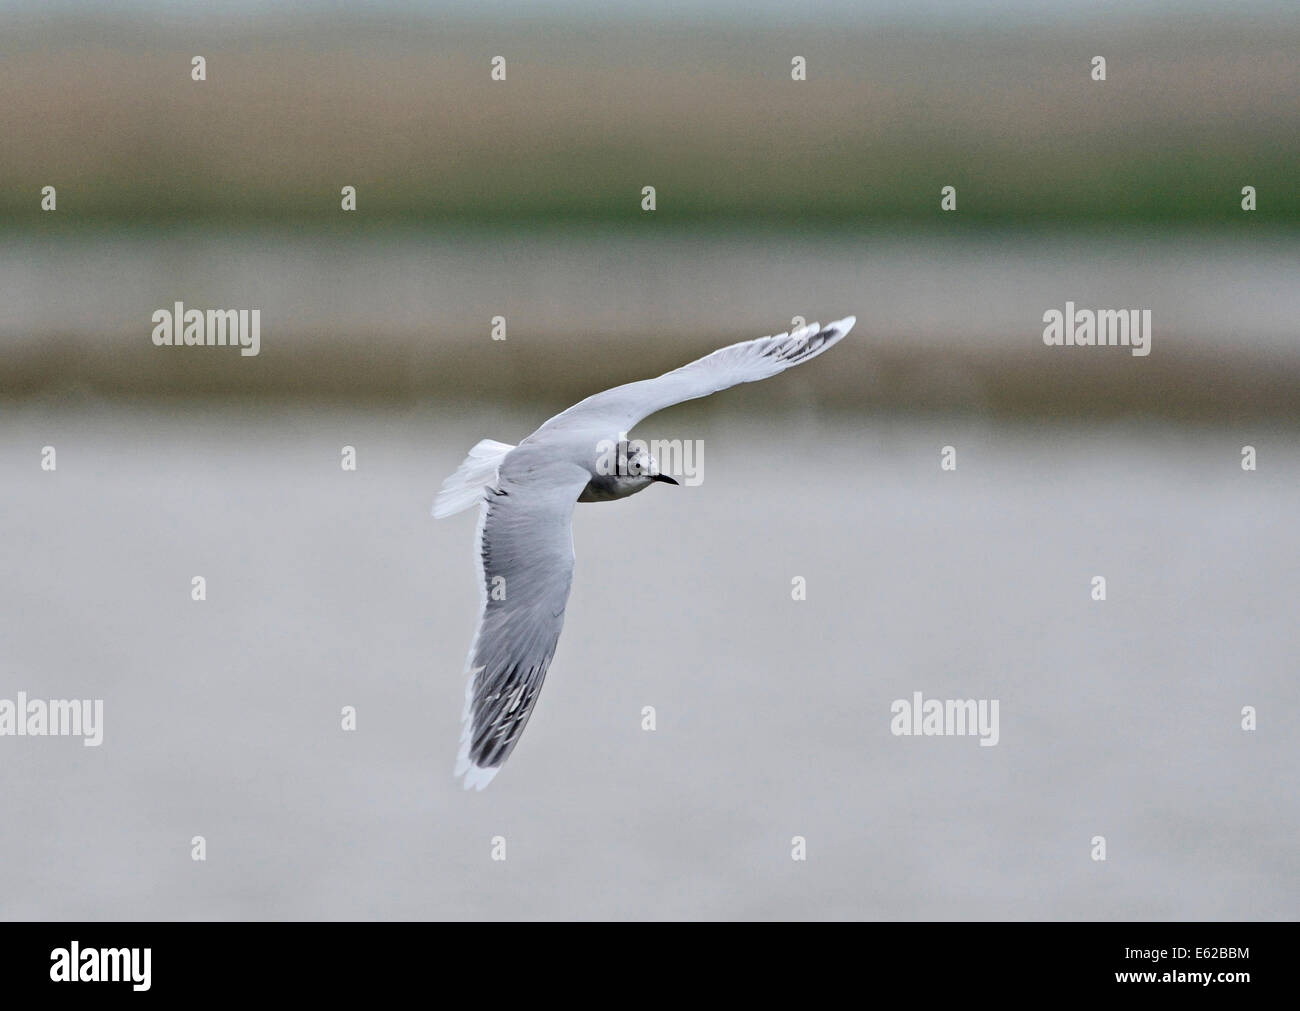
{"points": [[524, 543]]}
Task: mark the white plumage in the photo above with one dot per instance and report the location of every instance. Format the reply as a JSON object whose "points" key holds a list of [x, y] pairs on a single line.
{"points": [[524, 542]]}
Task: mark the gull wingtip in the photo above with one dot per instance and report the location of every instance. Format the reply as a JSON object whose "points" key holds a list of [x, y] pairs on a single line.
{"points": [[473, 776], [477, 778]]}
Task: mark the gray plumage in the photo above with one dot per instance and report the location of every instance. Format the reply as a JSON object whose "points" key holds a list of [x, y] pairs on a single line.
{"points": [[524, 546]]}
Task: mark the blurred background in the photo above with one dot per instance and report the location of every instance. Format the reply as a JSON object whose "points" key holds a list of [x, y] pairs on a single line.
{"points": [[775, 198]]}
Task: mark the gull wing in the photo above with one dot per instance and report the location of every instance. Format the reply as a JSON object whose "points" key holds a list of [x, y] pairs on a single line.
{"points": [[524, 553], [619, 409]]}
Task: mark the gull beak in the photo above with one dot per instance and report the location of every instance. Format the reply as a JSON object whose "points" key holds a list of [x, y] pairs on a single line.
{"points": [[664, 478]]}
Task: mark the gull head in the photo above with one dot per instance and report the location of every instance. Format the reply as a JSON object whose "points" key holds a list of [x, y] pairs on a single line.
{"points": [[630, 470], [643, 466]]}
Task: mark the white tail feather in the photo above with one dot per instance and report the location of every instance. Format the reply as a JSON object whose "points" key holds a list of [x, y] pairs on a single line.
{"points": [[465, 487]]}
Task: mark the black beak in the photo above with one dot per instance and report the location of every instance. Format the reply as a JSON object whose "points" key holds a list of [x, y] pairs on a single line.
{"points": [[664, 478]]}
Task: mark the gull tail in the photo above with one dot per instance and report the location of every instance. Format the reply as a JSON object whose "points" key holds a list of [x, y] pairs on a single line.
{"points": [[465, 487]]}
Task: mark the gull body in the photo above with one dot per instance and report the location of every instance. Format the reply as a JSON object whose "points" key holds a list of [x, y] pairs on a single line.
{"points": [[524, 542]]}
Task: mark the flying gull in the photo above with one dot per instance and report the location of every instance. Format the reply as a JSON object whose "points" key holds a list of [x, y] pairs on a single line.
{"points": [[524, 546]]}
